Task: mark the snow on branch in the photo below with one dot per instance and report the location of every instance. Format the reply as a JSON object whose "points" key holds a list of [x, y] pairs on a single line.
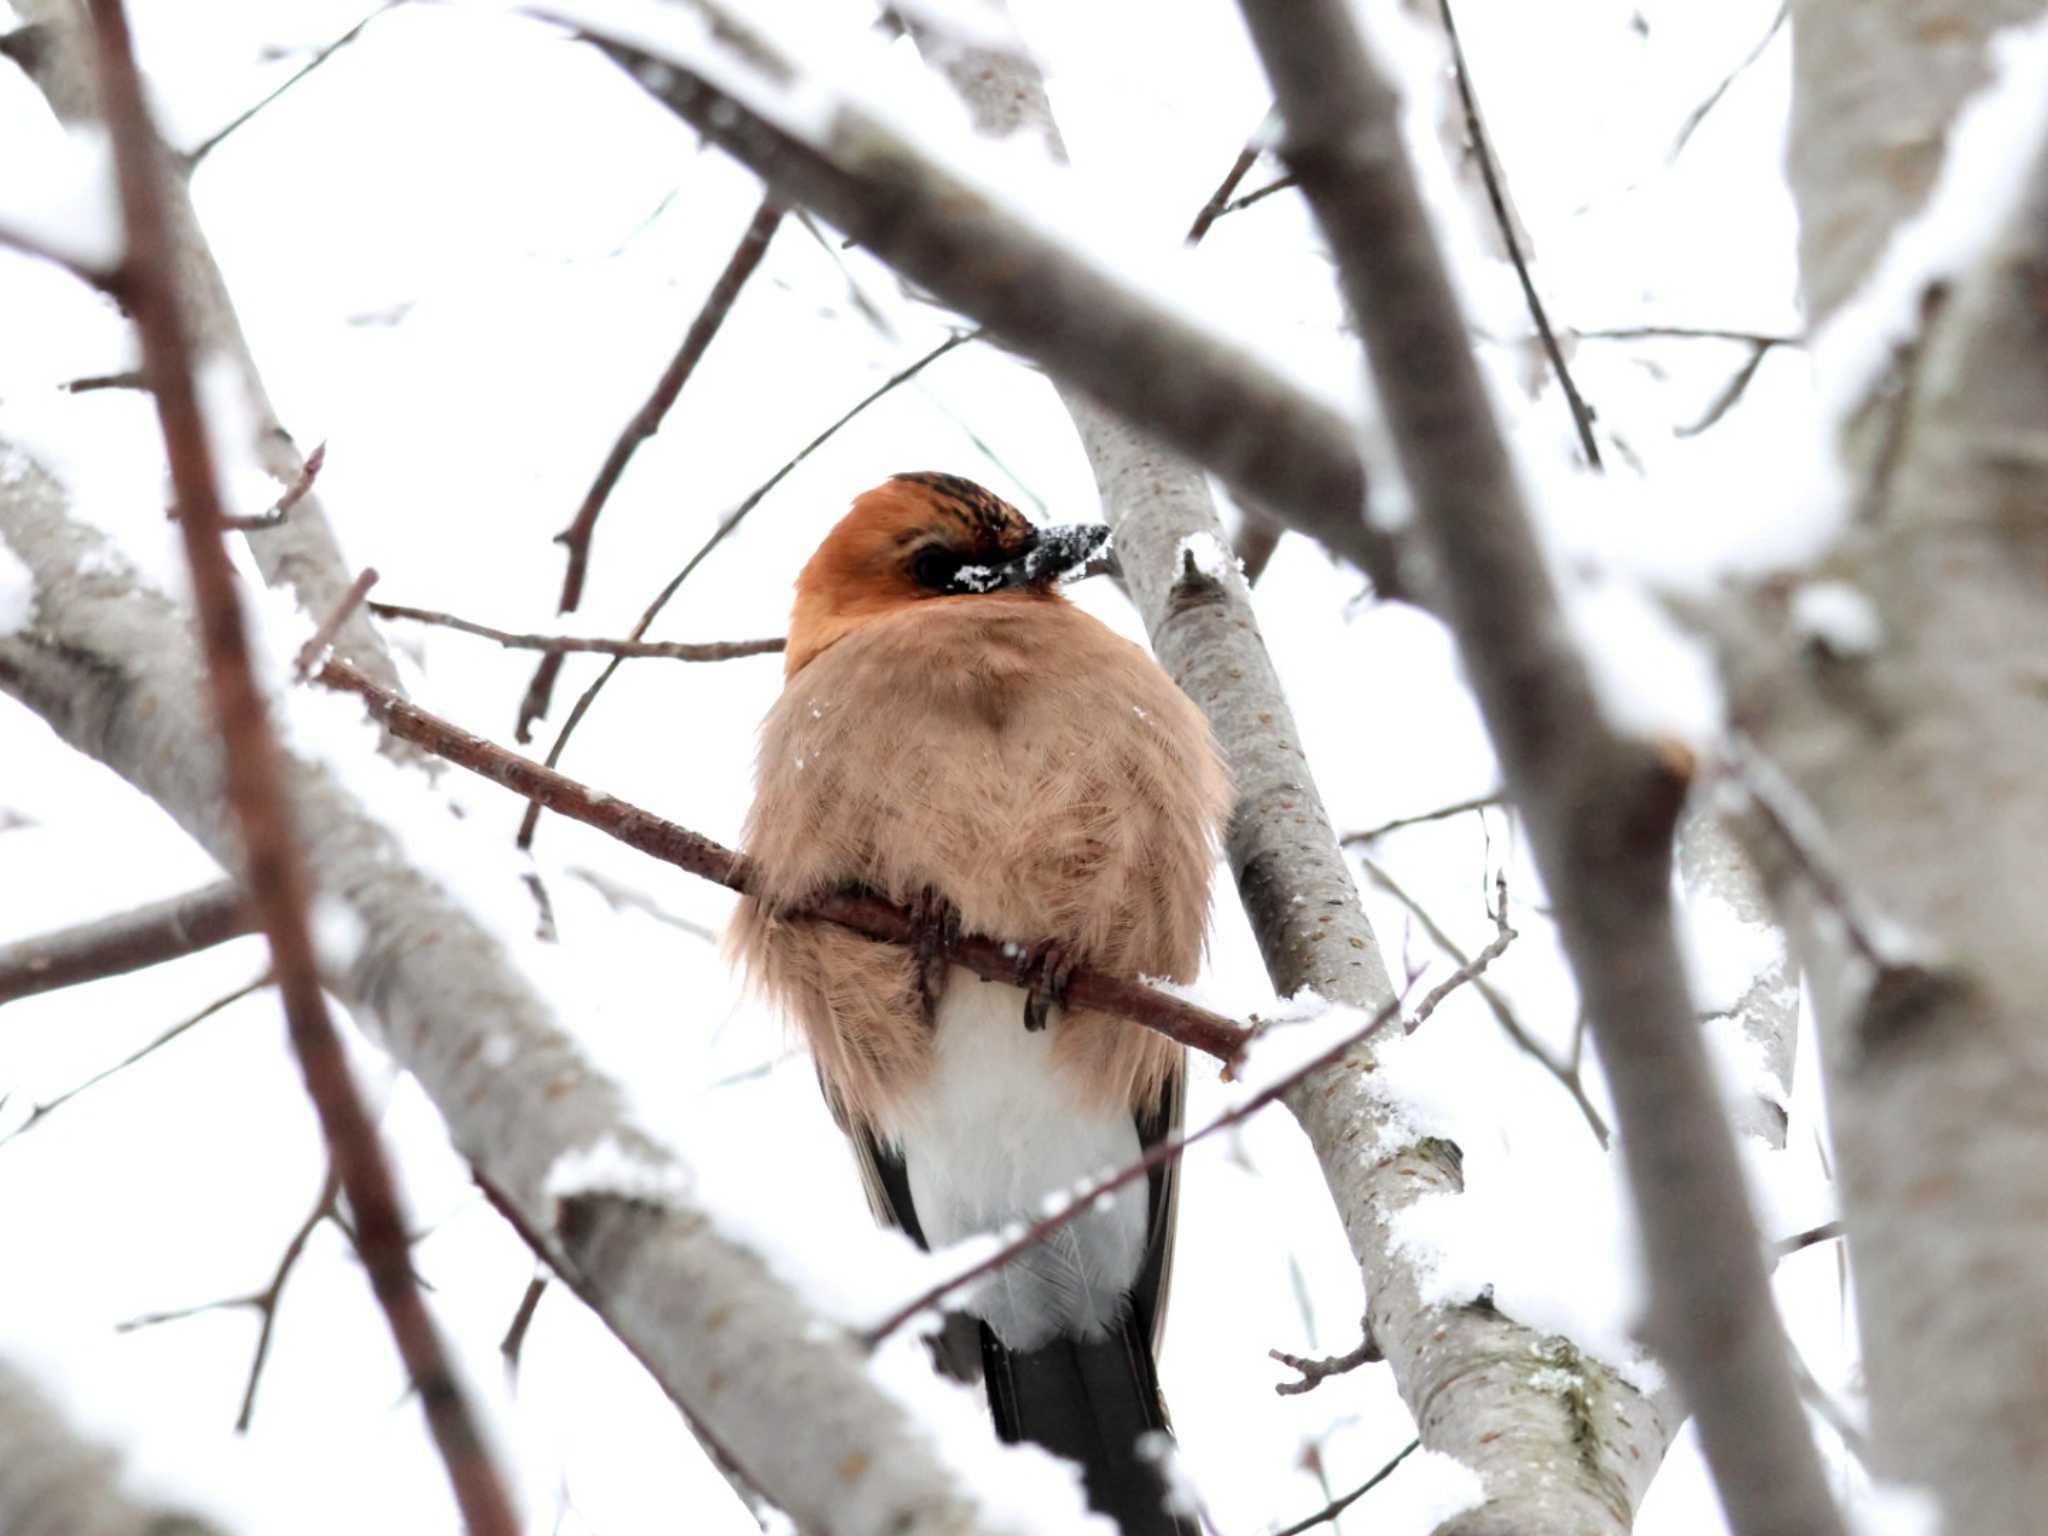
{"points": [[788, 1396], [1600, 806], [977, 252]]}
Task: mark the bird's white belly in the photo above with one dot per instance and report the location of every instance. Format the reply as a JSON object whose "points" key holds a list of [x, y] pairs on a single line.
{"points": [[989, 1135]]}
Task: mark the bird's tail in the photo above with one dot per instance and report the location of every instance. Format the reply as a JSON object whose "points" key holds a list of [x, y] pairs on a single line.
{"points": [[1091, 1401]]}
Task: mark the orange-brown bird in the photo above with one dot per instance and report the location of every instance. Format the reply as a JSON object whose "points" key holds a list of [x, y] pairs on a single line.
{"points": [[956, 736]]}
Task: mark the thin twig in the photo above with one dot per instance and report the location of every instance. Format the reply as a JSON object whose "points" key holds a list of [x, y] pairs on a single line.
{"points": [[1686, 333], [213, 141], [1314, 1372], [1698, 114], [1826, 1232], [1337, 1507], [106, 279], [127, 941], [264, 1302], [532, 705], [514, 1341], [43, 1111], [1599, 804], [1566, 1073], [1162, 1152], [643, 424], [673, 650], [646, 421], [1259, 195], [1496, 197], [1441, 813], [1726, 397], [128, 378], [323, 637], [677, 845], [1212, 210], [274, 873]]}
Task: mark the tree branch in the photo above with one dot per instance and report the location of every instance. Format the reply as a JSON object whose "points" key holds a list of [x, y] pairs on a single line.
{"points": [[124, 942], [1200, 395], [1476, 1381], [678, 845], [1599, 807], [673, 650], [110, 665], [52, 1480], [272, 869], [646, 421]]}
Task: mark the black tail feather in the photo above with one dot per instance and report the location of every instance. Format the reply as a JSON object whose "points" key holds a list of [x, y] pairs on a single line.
{"points": [[1090, 1401]]}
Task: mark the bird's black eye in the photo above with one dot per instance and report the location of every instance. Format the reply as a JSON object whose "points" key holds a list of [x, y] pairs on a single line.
{"points": [[934, 567]]}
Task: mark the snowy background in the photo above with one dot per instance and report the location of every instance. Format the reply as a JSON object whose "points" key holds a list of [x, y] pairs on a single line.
{"points": [[463, 249]]}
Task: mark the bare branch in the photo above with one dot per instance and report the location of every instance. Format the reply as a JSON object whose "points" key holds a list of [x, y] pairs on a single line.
{"points": [[1337, 1507], [1566, 1073], [264, 1302], [294, 493], [1200, 395], [51, 1480], [274, 875], [1496, 197], [322, 640], [673, 650], [535, 701], [646, 421], [124, 942], [43, 1111], [514, 1341], [1442, 812], [1315, 1372], [1826, 1232], [241, 119], [1220, 198], [781, 1392], [1599, 807], [677, 845]]}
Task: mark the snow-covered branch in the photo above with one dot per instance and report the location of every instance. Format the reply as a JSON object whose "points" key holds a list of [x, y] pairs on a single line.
{"points": [[1313, 932], [1600, 806], [110, 664], [54, 1480], [1918, 163]]}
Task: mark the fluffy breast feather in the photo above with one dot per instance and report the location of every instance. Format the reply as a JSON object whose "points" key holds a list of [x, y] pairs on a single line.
{"points": [[1037, 770]]}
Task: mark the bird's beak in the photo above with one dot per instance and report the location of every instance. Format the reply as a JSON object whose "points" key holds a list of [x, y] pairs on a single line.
{"points": [[1056, 553]]}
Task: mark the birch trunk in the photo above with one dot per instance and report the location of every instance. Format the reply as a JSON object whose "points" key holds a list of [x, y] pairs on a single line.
{"points": [[1924, 762]]}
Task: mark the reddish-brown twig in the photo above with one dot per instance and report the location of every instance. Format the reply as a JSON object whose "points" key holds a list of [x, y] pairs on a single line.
{"points": [[127, 941], [644, 423], [678, 845], [1314, 1372], [323, 637], [1213, 209], [672, 650], [273, 874]]}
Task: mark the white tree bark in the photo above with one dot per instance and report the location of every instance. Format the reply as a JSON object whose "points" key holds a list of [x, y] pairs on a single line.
{"points": [[1924, 762], [784, 1394], [54, 1482], [301, 552], [1563, 1444]]}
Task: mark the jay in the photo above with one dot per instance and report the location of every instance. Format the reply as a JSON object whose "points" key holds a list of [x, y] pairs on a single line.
{"points": [[956, 736]]}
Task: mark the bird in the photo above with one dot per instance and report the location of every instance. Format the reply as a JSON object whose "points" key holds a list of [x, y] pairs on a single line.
{"points": [[955, 735]]}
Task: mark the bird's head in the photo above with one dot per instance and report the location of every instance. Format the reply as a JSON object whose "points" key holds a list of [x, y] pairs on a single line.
{"points": [[928, 537]]}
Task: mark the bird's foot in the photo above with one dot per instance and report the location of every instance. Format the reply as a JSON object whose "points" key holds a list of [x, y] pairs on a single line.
{"points": [[938, 928], [1044, 973]]}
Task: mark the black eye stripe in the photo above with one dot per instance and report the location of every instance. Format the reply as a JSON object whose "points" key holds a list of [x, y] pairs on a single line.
{"points": [[934, 567]]}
